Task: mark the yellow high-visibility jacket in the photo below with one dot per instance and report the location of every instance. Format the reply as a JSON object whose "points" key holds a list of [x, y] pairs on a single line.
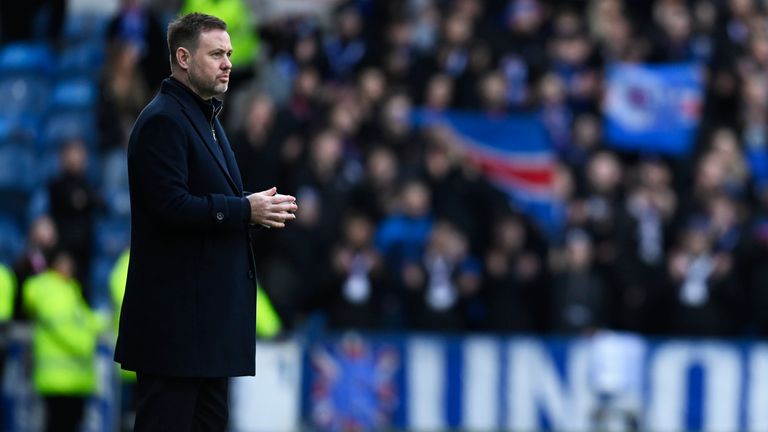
{"points": [[66, 333], [240, 26], [268, 323], [7, 293], [117, 280]]}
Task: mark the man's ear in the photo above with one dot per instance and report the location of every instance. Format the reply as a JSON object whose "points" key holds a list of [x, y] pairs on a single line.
{"points": [[182, 57]]}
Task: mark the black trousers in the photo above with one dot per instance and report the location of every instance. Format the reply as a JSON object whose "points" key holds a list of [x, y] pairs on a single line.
{"points": [[3, 353], [181, 404], [63, 413]]}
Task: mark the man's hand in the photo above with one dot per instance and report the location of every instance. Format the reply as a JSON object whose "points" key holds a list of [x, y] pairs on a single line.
{"points": [[271, 209]]}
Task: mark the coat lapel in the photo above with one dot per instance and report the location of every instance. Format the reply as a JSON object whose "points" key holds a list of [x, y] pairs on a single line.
{"points": [[202, 126], [229, 157]]}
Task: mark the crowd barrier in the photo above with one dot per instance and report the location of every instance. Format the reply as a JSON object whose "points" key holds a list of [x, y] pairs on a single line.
{"points": [[422, 382]]}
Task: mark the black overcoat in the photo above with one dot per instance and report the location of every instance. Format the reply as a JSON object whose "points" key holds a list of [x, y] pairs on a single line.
{"points": [[190, 300]]}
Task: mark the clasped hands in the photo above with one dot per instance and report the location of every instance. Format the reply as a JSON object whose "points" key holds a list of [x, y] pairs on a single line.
{"points": [[271, 209]]}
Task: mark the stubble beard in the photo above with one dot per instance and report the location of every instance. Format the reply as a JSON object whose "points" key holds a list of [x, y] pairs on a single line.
{"points": [[220, 87], [206, 89]]}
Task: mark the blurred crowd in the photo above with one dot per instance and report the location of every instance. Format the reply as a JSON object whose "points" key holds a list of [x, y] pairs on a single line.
{"points": [[398, 230]]}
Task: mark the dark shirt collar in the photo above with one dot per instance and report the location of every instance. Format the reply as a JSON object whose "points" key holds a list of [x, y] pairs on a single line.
{"points": [[211, 108]]}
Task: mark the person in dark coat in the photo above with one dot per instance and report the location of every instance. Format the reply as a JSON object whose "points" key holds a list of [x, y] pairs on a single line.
{"points": [[188, 316], [358, 295], [74, 203], [579, 291], [137, 25]]}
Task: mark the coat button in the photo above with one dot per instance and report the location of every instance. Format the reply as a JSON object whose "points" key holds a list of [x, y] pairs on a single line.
{"points": [[250, 274], [219, 216]]}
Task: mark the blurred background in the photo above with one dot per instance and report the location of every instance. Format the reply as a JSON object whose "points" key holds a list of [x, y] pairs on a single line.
{"points": [[514, 214]]}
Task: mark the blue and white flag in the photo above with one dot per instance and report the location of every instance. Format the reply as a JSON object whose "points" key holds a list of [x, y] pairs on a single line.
{"points": [[653, 108]]}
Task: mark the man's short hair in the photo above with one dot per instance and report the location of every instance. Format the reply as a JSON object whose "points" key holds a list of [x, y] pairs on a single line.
{"points": [[185, 31]]}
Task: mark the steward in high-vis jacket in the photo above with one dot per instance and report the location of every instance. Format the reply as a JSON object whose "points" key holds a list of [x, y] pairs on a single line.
{"points": [[240, 25], [7, 293], [7, 296], [117, 280], [66, 332]]}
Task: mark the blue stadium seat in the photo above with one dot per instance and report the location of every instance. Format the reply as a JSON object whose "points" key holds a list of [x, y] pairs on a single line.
{"points": [[111, 237], [26, 57], [11, 239], [82, 60], [25, 146], [7, 125], [64, 125], [85, 26], [39, 204], [48, 165], [23, 94], [23, 128], [74, 94], [18, 177], [118, 202], [13, 204], [101, 267], [18, 168]]}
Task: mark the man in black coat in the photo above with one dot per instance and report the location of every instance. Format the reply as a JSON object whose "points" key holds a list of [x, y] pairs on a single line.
{"points": [[188, 317]]}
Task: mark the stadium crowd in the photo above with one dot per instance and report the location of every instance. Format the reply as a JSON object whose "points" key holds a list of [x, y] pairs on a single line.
{"points": [[397, 229]]}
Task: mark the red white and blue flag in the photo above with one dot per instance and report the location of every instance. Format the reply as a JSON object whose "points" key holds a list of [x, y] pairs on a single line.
{"points": [[514, 152]]}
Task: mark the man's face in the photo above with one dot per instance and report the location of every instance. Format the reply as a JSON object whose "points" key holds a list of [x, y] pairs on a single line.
{"points": [[209, 65]]}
